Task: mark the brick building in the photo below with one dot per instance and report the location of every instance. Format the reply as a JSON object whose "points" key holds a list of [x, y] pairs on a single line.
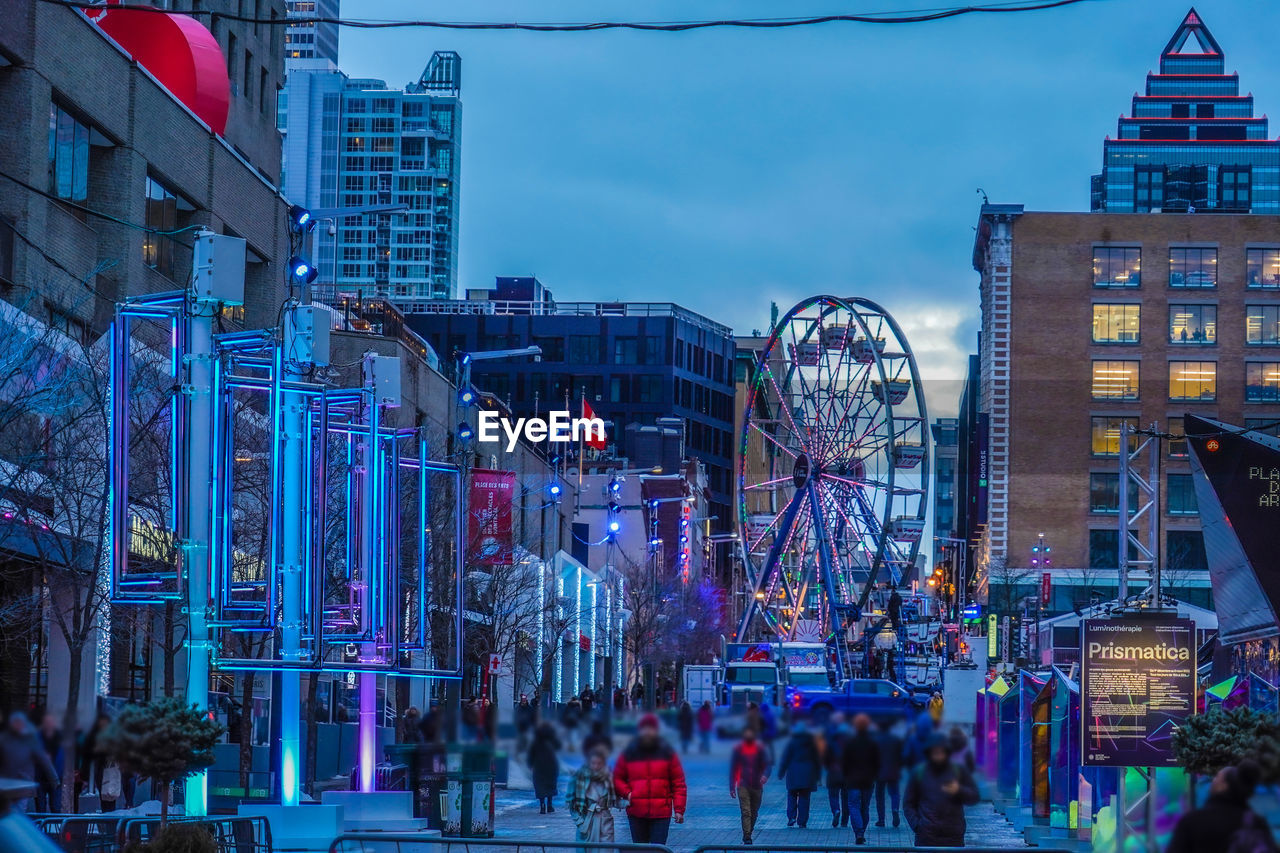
{"points": [[97, 151], [1092, 319]]}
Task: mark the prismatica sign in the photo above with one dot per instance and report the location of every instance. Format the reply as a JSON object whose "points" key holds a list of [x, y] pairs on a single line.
{"points": [[557, 427]]}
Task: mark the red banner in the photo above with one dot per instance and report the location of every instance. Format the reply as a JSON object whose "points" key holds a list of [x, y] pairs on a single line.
{"points": [[489, 530], [1046, 589]]}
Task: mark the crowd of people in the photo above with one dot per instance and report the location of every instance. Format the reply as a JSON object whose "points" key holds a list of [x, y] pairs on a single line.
{"points": [[35, 754]]}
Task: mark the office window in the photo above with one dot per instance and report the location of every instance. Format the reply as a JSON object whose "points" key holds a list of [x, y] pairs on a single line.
{"points": [[1262, 267], [625, 350], [1115, 380], [1262, 382], [1193, 267], [654, 351], [1104, 493], [1148, 188], [1262, 324], [648, 389], [552, 348], [1193, 380], [584, 349], [1184, 551], [248, 76], [1177, 444], [1181, 495], [68, 156], [1267, 426], [1117, 266], [262, 90], [1105, 434], [618, 389], [1233, 188], [231, 60], [1193, 324], [1115, 324], [1104, 549], [162, 214]]}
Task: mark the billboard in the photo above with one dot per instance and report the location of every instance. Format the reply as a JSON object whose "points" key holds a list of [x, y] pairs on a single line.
{"points": [[1137, 684], [489, 517]]}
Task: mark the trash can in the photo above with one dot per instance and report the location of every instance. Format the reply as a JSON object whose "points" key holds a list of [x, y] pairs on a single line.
{"points": [[468, 797]]}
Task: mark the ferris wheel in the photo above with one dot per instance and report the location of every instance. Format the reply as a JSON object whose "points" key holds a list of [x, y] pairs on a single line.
{"points": [[833, 472]]}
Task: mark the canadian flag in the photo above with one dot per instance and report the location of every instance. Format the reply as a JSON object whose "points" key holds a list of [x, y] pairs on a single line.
{"points": [[591, 437]]}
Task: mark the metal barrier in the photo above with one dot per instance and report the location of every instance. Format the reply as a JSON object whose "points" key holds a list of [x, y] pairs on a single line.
{"points": [[232, 834], [830, 848], [83, 833], [386, 842]]}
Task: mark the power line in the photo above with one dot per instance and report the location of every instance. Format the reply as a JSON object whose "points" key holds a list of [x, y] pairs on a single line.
{"points": [[97, 213], [647, 26]]}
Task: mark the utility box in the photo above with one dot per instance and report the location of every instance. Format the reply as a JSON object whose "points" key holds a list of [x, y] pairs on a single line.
{"points": [[306, 331], [223, 280], [382, 372]]}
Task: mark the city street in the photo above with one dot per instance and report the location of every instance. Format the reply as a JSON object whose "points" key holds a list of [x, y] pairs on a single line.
{"points": [[712, 817]]}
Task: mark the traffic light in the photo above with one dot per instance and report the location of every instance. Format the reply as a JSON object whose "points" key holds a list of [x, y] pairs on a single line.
{"points": [[612, 523]]}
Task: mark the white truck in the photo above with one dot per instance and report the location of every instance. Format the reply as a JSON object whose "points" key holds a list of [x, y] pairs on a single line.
{"points": [[701, 684], [751, 674]]}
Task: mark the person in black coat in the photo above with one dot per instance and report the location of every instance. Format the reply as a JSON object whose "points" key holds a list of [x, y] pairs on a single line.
{"points": [[937, 792], [800, 769], [832, 759], [890, 775], [684, 724], [860, 760], [1225, 818], [544, 765], [597, 738]]}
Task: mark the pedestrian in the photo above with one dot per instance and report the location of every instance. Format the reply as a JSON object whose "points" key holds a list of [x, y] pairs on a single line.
{"points": [[838, 733], [890, 774], [961, 751], [544, 765], [650, 776], [411, 726], [937, 792], [637, 696], [860, 761], [1225, 821], [800, 768], [754, 719], [918, 742], [587, 700], [48, 799], [525, 717], [597, 738], [471, 720], [749, 769], [619, 700], [430, 724], [706, 724], [895, 609], [936, 704], [684, 723], [22, 757], [768, 723], [571, 717], [591, 797]]}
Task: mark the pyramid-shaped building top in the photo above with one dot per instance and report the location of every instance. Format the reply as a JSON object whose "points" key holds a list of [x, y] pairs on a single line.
{"points": [[1191, 143]]}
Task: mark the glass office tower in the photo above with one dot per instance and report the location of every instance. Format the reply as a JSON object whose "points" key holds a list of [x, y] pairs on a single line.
{"points": [[1191, 143]]}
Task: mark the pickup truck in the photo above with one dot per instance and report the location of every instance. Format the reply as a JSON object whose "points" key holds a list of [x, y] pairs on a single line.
{"points": [[878, 698]]}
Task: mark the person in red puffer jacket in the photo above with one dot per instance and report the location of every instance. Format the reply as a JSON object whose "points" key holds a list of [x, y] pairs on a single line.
{"points": [[650, 776]]}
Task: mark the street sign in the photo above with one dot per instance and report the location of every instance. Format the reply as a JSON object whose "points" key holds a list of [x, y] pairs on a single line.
{"points": [[1046, 589], [1137, 684], [993, 637], [495, 664]]}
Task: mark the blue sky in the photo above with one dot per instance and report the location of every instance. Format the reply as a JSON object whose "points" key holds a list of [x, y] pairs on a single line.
{"points": [[725, 170]]}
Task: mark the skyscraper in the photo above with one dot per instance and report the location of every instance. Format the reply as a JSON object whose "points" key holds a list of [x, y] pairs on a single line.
{"points": [[1192, 142], [352, 144], [312, 40]]}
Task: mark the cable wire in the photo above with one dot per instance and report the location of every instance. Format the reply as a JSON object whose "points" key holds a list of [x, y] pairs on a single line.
{"points": [[97, 213], [648, 26]]}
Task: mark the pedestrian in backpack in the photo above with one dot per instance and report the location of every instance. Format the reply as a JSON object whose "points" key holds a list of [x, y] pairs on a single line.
{"points": [[861, 763], [800, 768], [749, 770], [706, 724], [890, 775], [649, 775], [937, 792], [1225, 822]]}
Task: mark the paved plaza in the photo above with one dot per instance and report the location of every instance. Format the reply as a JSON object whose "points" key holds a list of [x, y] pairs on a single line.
{"points": [[713, 817]]}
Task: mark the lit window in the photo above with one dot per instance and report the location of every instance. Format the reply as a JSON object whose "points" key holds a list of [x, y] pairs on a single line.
{"points": [[1262, 324], [1105, 434], [1193, 324], [1117, 266], [1262, 382], [68, 156], [1193, 380], [1181, 495], [1115, 324], [1115, 380], [1262, 267], [1193, 267]]}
